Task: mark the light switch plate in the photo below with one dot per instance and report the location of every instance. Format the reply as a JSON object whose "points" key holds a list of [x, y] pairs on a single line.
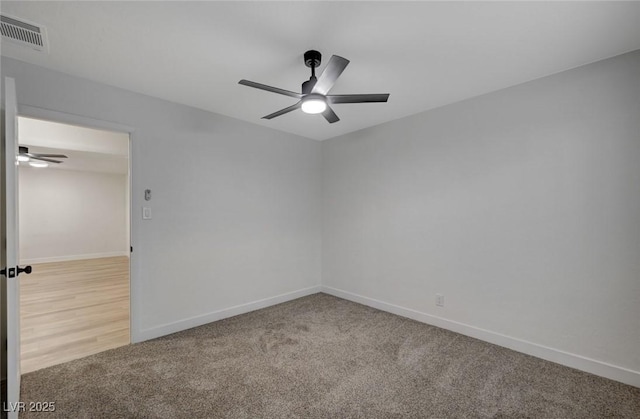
{"points": [[146, 213]]}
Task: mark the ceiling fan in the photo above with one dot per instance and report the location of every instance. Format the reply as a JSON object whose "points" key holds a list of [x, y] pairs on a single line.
{"points": [[314, 98], [24, 155]]}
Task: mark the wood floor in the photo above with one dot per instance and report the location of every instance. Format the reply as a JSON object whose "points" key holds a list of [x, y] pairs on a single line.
{"points": [[73, 309]]}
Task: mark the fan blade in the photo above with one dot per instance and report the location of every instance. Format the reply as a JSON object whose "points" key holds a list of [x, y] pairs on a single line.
{"points": [[270, 88], [283, 111], [45, 159], [328, 78], [36, 155], [330, 115], [374, 97]]}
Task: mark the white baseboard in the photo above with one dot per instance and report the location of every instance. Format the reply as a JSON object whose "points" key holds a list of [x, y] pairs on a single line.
{"points": [[180, 325], [73, 257], [589, 365]]}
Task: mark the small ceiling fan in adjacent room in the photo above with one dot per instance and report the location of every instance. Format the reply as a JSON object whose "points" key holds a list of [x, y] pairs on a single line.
{"points": [[38, 159], [315, 97]]}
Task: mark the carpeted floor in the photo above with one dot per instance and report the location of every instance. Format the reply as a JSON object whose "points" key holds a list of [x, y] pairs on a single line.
{"points": [[322, 357]]}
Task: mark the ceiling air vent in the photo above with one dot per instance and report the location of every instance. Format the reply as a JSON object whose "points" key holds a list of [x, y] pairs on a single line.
{"points": [[24, 33]]}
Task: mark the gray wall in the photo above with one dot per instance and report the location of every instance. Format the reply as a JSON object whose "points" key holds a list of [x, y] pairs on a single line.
{"points": [[521, 206], [71, 214], [236, 207]]}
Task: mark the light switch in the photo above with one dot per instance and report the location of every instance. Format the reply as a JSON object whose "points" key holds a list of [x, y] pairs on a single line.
{"points": [[146, 213]]}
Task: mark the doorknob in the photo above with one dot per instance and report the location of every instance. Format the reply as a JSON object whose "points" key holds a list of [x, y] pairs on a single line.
{"points": [[27, 269]]}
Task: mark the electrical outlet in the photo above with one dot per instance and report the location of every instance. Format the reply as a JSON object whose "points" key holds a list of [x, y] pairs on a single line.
{"points": [[440, 300]]}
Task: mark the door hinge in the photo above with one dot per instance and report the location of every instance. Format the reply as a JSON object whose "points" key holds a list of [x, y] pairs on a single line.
{"points": [[131, 249]]}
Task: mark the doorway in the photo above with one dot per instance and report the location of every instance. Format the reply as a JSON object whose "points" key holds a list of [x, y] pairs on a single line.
{"points": [[74, 230]]}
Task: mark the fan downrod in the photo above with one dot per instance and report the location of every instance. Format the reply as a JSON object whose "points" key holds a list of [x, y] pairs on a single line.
{"points": [[312, 60]]}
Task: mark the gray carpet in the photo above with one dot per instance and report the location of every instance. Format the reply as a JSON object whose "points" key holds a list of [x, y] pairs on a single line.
{"points": [[322, 357]]}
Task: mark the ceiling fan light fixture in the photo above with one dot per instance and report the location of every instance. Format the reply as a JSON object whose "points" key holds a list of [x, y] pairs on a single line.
{"points": [[315, 97], [314, 104], [38, 164]]}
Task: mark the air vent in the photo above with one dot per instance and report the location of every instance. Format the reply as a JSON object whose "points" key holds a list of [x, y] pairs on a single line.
{"points": [[24, 33]]}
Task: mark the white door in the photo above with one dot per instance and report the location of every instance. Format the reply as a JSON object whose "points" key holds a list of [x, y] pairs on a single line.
{"points": [[10, 233]]}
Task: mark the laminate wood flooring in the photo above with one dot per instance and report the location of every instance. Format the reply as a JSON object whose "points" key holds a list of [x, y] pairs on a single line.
{"points": [[72, 309]]}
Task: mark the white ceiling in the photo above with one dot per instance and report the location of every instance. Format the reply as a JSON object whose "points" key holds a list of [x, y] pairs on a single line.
{"points": [[425, 54], [87, 149]]}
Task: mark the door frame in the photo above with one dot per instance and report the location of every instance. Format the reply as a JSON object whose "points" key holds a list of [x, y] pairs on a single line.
{"points": [[87, 122], [11, 299]]}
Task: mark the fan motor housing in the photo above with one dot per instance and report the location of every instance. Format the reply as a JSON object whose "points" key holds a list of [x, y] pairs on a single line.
{"points": [[307, 86]]}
